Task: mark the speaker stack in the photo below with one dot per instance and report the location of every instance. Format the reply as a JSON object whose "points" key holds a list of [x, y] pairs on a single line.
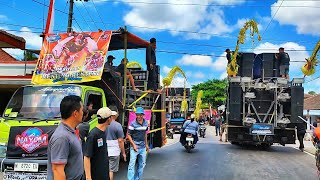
{"points": [[296, 103], [235, 102]]}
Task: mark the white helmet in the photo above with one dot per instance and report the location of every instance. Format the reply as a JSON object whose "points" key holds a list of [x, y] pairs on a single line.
{"points": [[193, 116]]}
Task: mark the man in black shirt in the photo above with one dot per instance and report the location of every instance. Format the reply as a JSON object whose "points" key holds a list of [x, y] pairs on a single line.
{"points": [[120, 72], [284, 59], [151, 62], [96, 163]]}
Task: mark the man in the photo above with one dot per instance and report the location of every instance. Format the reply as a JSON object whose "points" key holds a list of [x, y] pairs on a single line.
{"points": [[137, 135], [189, 127], [228, 55], [317, 122], [96, 154], [115, 141], [284, 59], [109, 63], [120, 72], [301, 131], [65, 159], [84, 128], [151, 65]]}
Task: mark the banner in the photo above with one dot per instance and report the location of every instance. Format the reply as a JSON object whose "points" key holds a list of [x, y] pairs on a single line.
{"points": [[72, 58], [147, 117], [28, 141]]}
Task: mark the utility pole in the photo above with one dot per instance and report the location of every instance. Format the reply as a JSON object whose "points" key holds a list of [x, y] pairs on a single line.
{"points": [[69, 29]]}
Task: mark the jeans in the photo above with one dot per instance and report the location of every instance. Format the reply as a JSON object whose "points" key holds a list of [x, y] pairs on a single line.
{"points": [[217, 129], [141, 155]]}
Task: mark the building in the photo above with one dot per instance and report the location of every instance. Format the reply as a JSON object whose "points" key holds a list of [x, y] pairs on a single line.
{"points": [[311, 108]]}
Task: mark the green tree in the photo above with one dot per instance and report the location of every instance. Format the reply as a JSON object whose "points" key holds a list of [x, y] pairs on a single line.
{"points": [[214, 92], [312, 93]]}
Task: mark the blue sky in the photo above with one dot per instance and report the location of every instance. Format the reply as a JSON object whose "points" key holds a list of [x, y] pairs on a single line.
{"points": [[192, 34]]}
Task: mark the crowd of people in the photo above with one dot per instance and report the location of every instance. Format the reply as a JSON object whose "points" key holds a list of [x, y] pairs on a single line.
{"points": [[76, 153]]}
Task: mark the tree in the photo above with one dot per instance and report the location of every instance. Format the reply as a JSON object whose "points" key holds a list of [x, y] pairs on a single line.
{"points": [[312, 93], [214, 92]]}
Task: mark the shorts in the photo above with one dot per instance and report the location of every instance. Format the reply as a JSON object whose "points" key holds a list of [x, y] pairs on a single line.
{"points": [[114, 163], [284, 69]]}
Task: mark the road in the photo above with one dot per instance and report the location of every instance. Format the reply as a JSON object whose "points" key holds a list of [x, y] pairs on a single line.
{"points": [[212, 160]]}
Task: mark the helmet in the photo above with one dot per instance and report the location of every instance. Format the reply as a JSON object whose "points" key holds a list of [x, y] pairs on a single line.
{"points": [[193, 116]]}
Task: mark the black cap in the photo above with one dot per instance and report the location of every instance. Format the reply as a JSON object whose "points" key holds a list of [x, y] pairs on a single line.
{"points": [[110, 57], [227, 50], [153, 40], [281, 48]]}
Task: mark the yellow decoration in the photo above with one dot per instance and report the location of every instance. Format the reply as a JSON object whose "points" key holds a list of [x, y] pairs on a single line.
{"points": [[134, 64], [232, 68], [309, 68], [8, 111], [167, 80], [198, 105]]}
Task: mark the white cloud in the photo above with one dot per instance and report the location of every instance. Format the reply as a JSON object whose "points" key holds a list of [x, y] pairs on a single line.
{"points": [[166, 69], [16, 53], [294, 55], [171, 16], [195, 60], [306, 19], [223, 75], [33, 40], [199, 75], [221, 63]]}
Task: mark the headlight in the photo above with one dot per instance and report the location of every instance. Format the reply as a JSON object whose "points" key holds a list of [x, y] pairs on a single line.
{"points": [[3, 150]]}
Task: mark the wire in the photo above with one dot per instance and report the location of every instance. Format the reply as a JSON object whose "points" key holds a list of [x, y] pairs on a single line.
{"points": [[272, 19], [82, 16], [98, 13], [89, 14]]}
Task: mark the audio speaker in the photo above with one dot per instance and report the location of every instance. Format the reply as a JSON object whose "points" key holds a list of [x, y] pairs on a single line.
{"points": [[235, 102], [297, 95]]}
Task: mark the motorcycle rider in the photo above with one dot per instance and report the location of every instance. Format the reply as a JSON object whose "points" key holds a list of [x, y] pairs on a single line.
{"points": [[189, 127]]}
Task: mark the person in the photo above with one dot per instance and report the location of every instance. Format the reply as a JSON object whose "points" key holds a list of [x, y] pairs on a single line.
{"points": [[228, 55], [187, 118], [189, 127], [84, 127], [65, 159], [151, 62], [109, 63], [137, 135], [223, 122], [217, 124], [115, 142], [284, 60], [317, 122], [120, 72], [316, 143], [301, 131], [96, 154]]}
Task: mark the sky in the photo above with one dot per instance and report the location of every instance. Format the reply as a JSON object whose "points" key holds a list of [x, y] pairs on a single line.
{"points": [[191, 34]]}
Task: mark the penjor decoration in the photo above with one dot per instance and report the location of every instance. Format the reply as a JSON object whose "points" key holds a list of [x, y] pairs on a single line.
{"points": [[309, 68], [232, 68]]}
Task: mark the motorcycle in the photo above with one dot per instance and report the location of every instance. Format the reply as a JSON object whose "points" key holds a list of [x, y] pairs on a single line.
{"points": [[189, 143], [169, 131], [202, 129]]}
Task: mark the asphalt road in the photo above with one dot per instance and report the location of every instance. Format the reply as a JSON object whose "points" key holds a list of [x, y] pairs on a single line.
{"points": [[212, 160]]}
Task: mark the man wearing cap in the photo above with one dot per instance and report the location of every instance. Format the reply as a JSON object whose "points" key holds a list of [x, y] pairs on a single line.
{"points": [[109, 62], [137, 135], [120, 72], [115, 144], [96, 155], [228, 55], [151, 62]]}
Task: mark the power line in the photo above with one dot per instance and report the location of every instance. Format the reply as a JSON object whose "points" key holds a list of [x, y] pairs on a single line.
{"points": [[89, 14], [98, 12], [82, 16], [272, 19]]}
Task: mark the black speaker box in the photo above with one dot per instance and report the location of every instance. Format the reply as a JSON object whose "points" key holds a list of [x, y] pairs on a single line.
{"points": [[297, 97], [235, 93]]}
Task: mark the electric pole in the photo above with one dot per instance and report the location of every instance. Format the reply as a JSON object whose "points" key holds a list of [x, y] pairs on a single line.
{"points": [[69, 29]]}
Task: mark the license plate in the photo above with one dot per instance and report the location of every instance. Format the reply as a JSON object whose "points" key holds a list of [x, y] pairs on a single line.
{"points": [[9, 175], [28, 167], [189, 139]]}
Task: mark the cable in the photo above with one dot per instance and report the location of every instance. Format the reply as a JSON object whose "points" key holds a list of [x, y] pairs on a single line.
{"points": [[272, 19], [89, 14], [98, 13], [82, 16]]}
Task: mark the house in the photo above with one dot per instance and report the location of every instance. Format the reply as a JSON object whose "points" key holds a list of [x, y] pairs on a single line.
{"points": [[311, 108]]}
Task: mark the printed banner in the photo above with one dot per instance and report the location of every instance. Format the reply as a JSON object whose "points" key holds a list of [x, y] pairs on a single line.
{"points": [[28, 141], [72, 58], [147, 116]]}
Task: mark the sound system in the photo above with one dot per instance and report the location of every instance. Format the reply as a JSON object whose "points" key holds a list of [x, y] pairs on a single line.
{"points": [[297, 99], [235, 102]]}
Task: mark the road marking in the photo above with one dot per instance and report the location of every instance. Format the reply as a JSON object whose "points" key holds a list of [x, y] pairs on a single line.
{"points": [[304, 151]]}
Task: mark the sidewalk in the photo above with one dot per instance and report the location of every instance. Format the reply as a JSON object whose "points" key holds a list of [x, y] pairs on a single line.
{"points": [[308, 146]]}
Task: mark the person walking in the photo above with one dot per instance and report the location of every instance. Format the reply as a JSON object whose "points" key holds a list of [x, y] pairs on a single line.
{"points": [[96, 162], [115, 143], [137, 135], [65, 159], [217, 124]]}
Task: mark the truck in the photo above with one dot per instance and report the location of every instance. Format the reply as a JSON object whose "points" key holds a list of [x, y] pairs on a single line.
{"points": [[32, 114], [261, 107], [173, 106]]}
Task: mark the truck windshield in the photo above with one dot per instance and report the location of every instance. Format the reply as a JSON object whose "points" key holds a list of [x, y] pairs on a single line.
{"points": [[39, 102]]}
